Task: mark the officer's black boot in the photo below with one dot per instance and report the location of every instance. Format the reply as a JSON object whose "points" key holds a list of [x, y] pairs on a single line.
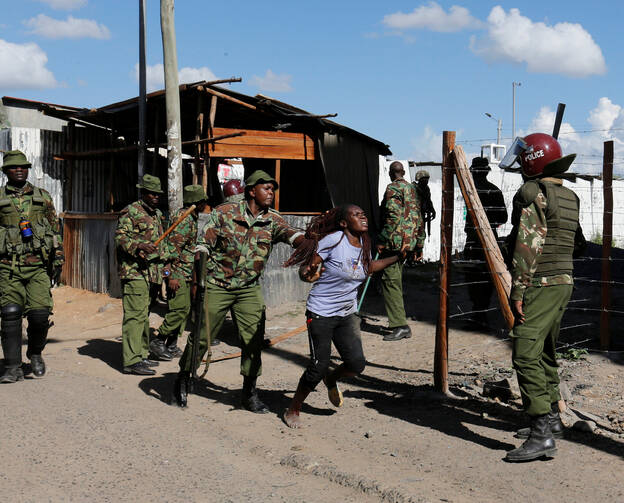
{"points": [[38, 326], [540, 442], [250, 400], [181, 388], [12, 343], [556, 426]]}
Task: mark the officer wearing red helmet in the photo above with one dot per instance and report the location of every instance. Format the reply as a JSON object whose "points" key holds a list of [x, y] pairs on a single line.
{"points": [[234, 191], [547, 233]]}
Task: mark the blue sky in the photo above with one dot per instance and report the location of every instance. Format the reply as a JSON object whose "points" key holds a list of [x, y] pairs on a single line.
{"points": [[401, 71]]}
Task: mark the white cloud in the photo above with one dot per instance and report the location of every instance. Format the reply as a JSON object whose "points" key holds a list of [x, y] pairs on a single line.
{"points": [[70, 28], [565, 48], [155, 75], [65, 4], [427, 147], [23, 66], [433, 17], [273, 82]]}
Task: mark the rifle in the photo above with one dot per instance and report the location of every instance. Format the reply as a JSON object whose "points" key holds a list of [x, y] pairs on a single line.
{"points": [[198, 307]]}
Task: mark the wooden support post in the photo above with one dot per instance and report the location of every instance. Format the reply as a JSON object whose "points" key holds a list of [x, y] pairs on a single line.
{"points": [[69, 169], [440, 364], [607, 235], [172, 99], [199, 127], [278, 173], [211, 124]]}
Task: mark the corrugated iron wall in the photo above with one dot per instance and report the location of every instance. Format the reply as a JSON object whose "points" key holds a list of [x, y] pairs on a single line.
{"points": [[39, 146], [90, 255]]}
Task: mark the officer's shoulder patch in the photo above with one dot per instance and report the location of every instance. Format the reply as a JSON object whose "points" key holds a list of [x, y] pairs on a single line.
{"points": [[528, 192]]}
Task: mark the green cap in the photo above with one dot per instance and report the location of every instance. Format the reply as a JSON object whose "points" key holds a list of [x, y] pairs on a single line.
{"points": [[14, 158], [151, 184], [422, 174], [193, 194], [260, 176]]}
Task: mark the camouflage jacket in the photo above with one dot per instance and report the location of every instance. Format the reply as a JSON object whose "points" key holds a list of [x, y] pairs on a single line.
{"points": [[239, 252], [531, 237], [402, 217], [45, 247], [138, 223], [182, 241]]}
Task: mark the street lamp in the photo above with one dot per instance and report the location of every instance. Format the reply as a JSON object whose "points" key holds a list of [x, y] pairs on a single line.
{"points": [[498, 129], [513, 110]]}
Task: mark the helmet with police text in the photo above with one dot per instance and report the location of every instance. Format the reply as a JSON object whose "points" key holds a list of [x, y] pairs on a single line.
{"points": [[233, 187], [539, 155]]}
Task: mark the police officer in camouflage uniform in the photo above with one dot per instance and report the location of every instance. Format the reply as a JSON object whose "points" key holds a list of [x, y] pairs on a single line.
{"points": [[141, 270], [403, 229], [421, 183], [546, 224], [239, 237], [31, 257], [182, 242]]}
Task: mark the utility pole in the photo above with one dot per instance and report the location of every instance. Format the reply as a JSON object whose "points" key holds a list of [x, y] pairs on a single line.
{"points": [[172, 98], [142, 98], [513, 109]]}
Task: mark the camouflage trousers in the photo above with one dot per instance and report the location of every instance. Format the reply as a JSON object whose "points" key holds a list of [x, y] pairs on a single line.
{"points": [[533, 351], [26, 286], [179, 307], [392, 288], [138, 295], [247, 306]]}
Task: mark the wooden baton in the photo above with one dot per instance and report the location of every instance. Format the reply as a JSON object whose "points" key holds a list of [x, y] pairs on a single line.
{"points": [[175, 224]]}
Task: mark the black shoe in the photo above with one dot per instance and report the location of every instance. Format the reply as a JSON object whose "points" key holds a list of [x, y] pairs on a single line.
{"points": [[215, 342], [556, 426], [11, 375], [37, 365], [150, 363], [399, 333], [539, 444], [250, 400], [174, 350], [181, 389], [159, 350], [140, 369]]}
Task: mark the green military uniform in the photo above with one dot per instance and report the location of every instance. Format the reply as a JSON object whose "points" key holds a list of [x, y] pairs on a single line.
{"points": [[28, 259], [182, 242], [402, 224], [546, 219], [235, 262], [141, 275]]}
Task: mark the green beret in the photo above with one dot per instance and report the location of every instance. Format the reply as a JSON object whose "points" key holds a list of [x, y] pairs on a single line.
{"points": [[260, 176], [14, 158], [150, 183], [193, 194]]}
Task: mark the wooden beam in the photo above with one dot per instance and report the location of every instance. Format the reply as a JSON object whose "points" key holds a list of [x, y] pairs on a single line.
{"points": [[199, 127], [263, 145], [493, 256], [440, 362], [226, 97], [607, 235], [278, 169]]}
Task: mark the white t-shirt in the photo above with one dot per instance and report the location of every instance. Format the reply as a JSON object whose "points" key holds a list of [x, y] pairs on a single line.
{"points": [[335, 292]]}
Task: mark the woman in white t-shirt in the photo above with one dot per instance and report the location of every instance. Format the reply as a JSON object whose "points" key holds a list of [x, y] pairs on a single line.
{"points": [[337, 257]]}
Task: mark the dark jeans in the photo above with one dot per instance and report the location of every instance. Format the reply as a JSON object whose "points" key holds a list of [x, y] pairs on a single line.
{"points": [[344, 332]]}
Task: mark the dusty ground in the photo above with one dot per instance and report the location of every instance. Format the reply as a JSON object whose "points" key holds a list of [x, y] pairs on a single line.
{"points": [[87, 432]]}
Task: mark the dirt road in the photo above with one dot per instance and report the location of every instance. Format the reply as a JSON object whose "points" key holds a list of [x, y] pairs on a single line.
{"points": [[87, 432]]}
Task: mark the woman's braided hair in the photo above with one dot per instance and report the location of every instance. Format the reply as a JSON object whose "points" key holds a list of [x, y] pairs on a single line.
{"points": [[322, 226]]}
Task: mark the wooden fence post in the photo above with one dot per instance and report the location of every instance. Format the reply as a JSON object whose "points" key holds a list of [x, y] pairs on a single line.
{"points": [[440, 364], [607, 234]]}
